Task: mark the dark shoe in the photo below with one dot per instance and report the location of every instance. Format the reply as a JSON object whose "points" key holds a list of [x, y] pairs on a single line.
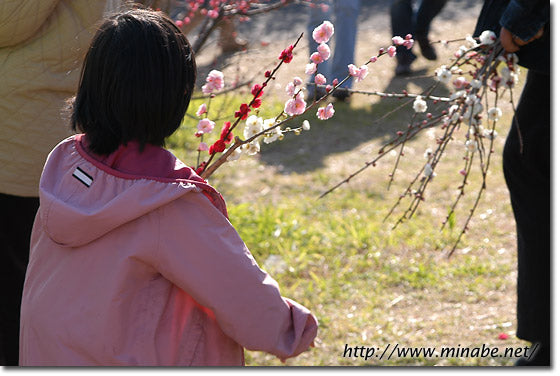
{"points": [[341, 95], [403, 70], [314, 94], [404, 60], [426, 48]]}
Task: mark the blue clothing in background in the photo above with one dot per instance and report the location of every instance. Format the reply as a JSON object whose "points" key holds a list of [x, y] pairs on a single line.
{"points": [[345, 29]]}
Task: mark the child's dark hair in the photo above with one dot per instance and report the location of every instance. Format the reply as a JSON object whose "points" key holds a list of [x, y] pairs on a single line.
{"points": [[136, 82]]}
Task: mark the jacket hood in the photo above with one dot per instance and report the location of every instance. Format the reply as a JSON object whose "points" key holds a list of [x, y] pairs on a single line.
{"points": [[82, 198]]}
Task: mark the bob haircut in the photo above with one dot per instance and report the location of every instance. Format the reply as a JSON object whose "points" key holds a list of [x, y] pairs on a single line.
{"points": [[136, 82]]}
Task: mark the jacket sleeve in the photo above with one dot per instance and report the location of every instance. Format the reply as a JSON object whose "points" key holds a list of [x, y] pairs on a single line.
{"points": [[201, 253], [20, 19], [524, 18]]}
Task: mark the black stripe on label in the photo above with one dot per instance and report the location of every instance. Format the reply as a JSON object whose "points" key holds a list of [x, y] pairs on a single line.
{"points": [[83, 177]]}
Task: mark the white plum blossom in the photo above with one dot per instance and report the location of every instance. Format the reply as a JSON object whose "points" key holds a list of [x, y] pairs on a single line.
{"points": [[477, 129], [253, 126], [461, 51], [443, 74], [490, 134], [419, 104], [474, 109], [458, 94], [252, 147], [454, 113], [235, 155], [471, 99], [272, 135], [471, 41], [509, 77], [305, 125], [269, 123], [428, 171], [428, 154], [487, 37], [471, 145], [494, 114], [476, 84]]}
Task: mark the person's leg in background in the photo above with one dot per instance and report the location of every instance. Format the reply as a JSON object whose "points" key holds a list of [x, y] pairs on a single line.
{"points": [[402, 23], [427, 11], [345, 31], [318, 14], [16, 221], [527, 174]]}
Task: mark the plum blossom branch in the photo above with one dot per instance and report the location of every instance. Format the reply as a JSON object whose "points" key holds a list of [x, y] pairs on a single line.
{"points": [[464, 106]]}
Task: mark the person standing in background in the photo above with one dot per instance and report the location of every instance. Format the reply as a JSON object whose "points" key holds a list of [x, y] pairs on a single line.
{"points": [[346, 27], [42, 45], [523, 27], [405, 21]]}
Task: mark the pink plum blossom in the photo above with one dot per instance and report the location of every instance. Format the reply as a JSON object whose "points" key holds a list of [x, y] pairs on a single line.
{"points": [[297, 81], [398, 41], [201, 110], [324, 113], [295, 106], [320, 79], [316, 58], [324, 50], [460, 82], [353, 70], [323, 32], [203, 146], [310, 69], [362, 73], [214, 82], [205, 125], [359, 73], [408, 43], [392, 51], [373, 59], [290, 89]]}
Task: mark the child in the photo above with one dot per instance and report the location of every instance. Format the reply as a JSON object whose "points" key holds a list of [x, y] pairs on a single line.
{"points": [[133, 260]]}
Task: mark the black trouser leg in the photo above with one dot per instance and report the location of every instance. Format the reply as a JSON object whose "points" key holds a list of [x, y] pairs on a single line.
{"points": [[16, 221], [527, 174]]}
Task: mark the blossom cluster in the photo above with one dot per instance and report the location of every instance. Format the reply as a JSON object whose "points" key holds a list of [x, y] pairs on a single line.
{"points": [[258, 129]]}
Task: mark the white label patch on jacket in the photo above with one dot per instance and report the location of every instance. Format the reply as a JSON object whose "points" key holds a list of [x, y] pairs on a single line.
{"points": [[82, 176]]}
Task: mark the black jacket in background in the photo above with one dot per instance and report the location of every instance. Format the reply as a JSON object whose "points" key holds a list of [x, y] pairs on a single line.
{"points": [[522, 18]]}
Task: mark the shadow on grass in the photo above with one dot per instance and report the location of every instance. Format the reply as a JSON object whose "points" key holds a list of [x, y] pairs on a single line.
{"points": [[349, 128]]}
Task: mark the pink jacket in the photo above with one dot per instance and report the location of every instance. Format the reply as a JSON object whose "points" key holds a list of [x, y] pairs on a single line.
{"points": [[134, 262]]}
